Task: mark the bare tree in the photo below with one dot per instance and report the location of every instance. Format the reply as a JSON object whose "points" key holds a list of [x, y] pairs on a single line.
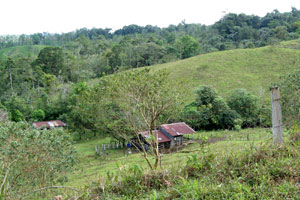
{"points": [[144, 100], [3, 115]]}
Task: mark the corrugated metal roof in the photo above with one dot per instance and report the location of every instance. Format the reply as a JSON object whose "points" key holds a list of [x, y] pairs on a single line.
{"points": [[176, 129], [161, 137], [49, 124]]}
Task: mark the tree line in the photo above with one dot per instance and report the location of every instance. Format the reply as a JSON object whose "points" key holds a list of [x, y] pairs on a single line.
{"points": [[135, 46], [95, 52]]}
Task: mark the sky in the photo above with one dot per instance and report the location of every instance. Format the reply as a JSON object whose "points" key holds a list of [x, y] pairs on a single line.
{"points": [[57, 16]]}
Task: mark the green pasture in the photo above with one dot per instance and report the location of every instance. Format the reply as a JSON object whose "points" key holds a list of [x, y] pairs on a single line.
{"points": [[92, 167]]}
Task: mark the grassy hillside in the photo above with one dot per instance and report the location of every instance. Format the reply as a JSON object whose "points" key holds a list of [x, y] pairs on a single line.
{"points": [[252, 69], [21, 51]]}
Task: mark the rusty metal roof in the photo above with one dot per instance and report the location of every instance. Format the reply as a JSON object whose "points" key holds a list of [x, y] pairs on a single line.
{"points": [[176, 129], [161, 137], [49, 124]]}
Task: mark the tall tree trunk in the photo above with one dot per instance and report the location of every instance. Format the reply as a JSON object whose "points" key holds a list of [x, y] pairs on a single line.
{"points": [[155, 145], [38, 86], [11, 83]]}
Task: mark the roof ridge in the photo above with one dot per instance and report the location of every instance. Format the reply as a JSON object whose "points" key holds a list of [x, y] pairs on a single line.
{"points": [[174, 123]]}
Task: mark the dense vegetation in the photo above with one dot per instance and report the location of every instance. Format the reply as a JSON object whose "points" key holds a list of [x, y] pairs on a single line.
{"points": [[37, 70], [235, 168], [35, 95], [182, 173], [48, 76], [31, 159]]}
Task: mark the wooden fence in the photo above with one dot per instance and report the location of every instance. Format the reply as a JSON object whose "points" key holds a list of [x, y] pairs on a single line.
{"points": [[102, 149]]}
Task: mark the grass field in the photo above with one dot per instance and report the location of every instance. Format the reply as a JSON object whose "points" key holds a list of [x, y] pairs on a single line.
{"points": [[21, 51], [91, 167]]}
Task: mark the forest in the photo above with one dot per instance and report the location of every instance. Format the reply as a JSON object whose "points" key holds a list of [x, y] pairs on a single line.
{"points": [[39, 85]]}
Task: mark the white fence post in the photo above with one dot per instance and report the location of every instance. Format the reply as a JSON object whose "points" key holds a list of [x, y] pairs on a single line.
{"points": [[276, 115]]}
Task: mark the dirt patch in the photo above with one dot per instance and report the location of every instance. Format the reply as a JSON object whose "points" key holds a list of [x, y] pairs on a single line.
{"points": [[216, 139]]}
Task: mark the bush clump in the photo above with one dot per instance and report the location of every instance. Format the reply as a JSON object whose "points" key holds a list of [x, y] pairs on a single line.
{"points": [[131, 182], [246, 105], [210, 111], [31, 159]]}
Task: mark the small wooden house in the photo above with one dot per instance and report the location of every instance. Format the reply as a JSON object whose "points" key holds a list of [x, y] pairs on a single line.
{"points": [[170, 135], [48, 124], [163, 140], [176, 131]]}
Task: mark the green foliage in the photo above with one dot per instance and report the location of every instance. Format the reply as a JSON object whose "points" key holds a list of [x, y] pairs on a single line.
{"points": [[147, 96], [17, 108], [230, 119], [116, 103], [246, 105], [38, 115], [199, 164], [32, 159], [51, 60], [90, 53], [290, 96], [21, 51], [82, 106], [99, 51], [210, 111], [16, 115], [124, 105], [187, 46], [130, 182], [3, 114], [256, 172], [205, 95]]}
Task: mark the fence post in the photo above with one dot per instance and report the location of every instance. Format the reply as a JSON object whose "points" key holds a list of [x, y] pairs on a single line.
{"points": [[276, 115]]}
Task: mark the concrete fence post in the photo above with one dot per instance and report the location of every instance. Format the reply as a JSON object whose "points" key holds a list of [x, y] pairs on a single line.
{"points": [[276, 115]]}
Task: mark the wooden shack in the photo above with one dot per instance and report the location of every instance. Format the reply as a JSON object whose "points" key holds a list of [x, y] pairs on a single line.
{"points": [[169, 135], [48, 124]]}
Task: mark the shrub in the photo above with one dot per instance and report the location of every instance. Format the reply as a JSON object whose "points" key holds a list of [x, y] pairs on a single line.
{"points": [[32, 158], [187, 46], [3, 113], [16, 115], [290, 98], [230, 119], [191, 116], [131, 183], [205, 95], [246, 105], [265, 113], [38, 115], [209, 111]]}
